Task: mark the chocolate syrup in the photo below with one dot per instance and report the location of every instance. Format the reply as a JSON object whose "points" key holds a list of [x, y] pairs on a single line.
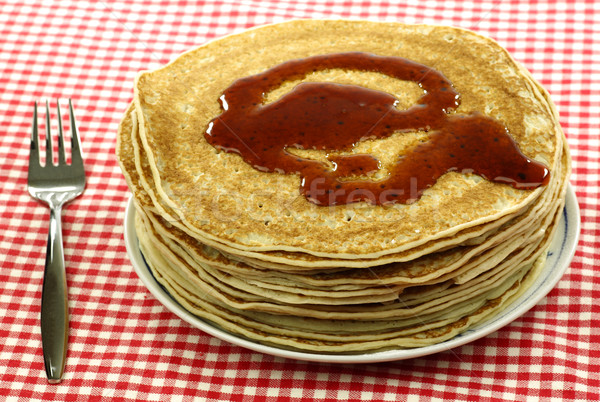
{"points": [[334, 117]]}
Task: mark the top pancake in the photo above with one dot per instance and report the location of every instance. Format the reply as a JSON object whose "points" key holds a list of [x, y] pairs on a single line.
{"points": [[220, 197]]}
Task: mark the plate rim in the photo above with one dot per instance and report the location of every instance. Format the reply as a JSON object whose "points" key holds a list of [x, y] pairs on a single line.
{"points": [[572, 227]]}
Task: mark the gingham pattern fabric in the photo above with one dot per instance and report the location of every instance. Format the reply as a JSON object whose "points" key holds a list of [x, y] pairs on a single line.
{"points": [[124, 344]]}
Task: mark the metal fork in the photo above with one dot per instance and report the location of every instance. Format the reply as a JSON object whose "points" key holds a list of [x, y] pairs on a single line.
{"points": [[55, 185]]}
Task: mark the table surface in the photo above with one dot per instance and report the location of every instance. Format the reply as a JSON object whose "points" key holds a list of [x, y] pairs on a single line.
{"points": [[124, 343]]}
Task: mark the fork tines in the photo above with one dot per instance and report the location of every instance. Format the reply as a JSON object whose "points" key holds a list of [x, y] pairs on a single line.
{"points": [[76, 157]]}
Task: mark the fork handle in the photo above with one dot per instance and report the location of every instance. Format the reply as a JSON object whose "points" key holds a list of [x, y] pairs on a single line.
{"points": [[54, 312]]}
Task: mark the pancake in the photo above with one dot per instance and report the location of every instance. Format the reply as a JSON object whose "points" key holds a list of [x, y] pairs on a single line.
{"points": [[173, 108], [247, 246]]}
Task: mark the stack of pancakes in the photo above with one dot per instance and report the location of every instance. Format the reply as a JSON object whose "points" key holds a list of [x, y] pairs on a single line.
{"points": [[244, 249]]}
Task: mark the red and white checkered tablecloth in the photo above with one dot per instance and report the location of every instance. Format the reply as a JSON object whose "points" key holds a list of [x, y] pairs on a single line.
{"points": [[125, 344]]}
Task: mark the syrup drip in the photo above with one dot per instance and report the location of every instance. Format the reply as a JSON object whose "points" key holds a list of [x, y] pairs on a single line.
{"points": [[333, 117]]}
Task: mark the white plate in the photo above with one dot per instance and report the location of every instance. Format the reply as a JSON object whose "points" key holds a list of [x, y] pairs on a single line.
{"points": [[560, 255]]}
